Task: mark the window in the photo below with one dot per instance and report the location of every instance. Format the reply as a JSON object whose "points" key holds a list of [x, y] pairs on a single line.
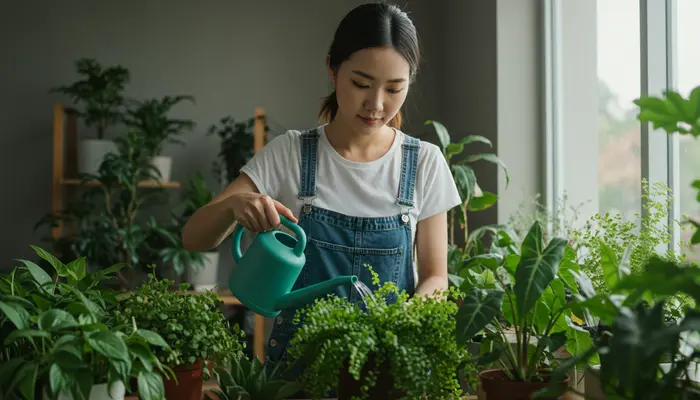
{"points": [[638, 47], [619, 133], [687, 68]]}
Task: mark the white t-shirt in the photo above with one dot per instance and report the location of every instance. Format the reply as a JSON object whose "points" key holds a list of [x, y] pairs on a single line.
{"points": [[362, 189]]}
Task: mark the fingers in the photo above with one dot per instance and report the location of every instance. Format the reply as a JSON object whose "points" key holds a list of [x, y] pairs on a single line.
{"points": [[281, 209], [270, 219]]}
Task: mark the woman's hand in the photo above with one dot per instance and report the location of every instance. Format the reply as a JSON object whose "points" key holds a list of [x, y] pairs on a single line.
{"points": [[258, 212]]}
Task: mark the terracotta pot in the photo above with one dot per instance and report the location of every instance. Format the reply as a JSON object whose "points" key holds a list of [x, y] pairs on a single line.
{"points": [[188, 385], [496, 385], [382, 390]]}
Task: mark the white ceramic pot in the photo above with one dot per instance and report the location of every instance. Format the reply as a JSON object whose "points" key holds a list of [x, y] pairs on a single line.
{"points": [[98, 392], [91, 153], [205, 277], [164, 165]]}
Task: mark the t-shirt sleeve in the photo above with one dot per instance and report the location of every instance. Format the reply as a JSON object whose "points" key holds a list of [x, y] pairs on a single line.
{"points": [[267, 167], [439, 189]]}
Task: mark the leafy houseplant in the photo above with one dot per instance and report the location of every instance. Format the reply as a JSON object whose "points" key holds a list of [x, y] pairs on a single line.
{"points": [[236, 147], [609, 246], [525, 301], [643, 357], [192, 325], [150, 118], [473, 198], [108, 227], [674, 114], [247, 379], [100, 91], [100, 95], [393, 349], [64, 337]]}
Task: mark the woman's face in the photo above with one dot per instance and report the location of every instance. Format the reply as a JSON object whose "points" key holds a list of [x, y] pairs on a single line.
{"points": [[371, 87]]}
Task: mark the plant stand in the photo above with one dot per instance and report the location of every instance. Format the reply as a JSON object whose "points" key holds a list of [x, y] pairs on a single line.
{"points": [[65, 185]]}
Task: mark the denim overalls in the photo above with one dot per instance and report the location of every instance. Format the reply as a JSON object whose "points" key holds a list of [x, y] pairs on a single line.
{"points": [[339, 244]]}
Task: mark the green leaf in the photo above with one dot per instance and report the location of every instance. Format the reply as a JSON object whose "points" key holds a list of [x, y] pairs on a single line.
{"points": [[51, 259], [26, 379], [143, 353], [654, 104], [483, 202], [77, 269], [152, 337], [537, 268], [441, 132], [83, 377], [16, 314], [492, 158], [479, 309], [56, 319], [39, 275], [7, 371], [150, 386], [567, 267], [108, 344], [26, 333], [280, 390], [58, 378], [465, 180], [475, 138]]}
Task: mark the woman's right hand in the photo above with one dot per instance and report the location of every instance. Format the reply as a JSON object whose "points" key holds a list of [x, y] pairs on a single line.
{"points": [[258, 212]]}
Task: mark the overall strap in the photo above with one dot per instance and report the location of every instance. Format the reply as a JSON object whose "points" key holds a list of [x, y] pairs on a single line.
{"points": [[409, 166], [309, 149]]}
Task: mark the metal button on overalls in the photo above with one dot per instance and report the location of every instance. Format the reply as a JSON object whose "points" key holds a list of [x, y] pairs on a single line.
{"points": [[273, 342], [279, 320]]}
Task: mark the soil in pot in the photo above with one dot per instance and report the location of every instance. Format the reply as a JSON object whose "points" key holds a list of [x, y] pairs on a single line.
{"points": [[382, 390], [496, 385], [188, 385]]}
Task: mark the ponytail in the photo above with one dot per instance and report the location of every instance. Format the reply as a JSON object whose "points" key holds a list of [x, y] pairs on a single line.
{"points": [[329, 109]]}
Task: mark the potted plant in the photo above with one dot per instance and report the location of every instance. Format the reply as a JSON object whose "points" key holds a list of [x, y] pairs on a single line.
{"points": [[473, 198], [63, 338], [236, 147], [100, 94], [202, 270], [248, 379], [150, 118], [387, 347], [197, 333], [525, 315], [643, 356]]}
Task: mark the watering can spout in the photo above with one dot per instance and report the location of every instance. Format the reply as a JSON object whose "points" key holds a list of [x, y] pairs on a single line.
{"points": [[304, 295]]}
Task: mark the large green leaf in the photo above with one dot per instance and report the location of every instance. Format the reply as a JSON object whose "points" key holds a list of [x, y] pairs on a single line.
{"points": [[51, 259], [16, 314], [486, 200], [150, 386], [465, 180], [492, 158], [537, 268], [56, 319], [441, 132], [108, 344], [39, 275], [479, 309]]}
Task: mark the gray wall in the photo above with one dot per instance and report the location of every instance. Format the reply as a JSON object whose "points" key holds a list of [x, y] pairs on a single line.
{"points": [[479, 76]]}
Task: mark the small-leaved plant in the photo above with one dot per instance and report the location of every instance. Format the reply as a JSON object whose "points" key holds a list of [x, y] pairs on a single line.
{"points": [[411, 338], [192, 324]]}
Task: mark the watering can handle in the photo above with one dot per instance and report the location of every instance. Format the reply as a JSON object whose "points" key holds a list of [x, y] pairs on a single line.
{"points": [[295, 228]]}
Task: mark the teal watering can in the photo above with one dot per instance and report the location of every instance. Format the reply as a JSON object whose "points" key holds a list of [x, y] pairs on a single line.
{"points": [[264, 276]]}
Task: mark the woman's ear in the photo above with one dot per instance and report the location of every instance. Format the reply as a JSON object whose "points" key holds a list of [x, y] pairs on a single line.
{"points": [[331, 73]]}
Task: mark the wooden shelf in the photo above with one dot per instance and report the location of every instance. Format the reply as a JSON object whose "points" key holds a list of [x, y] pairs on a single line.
{"points": [[145, 184]]}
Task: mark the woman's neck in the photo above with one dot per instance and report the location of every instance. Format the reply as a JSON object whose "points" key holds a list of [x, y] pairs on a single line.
{"points": [[354, 146]]}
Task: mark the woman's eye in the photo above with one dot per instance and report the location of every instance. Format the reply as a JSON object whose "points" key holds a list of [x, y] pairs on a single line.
{"points": [[359, 86], [394, 91]]}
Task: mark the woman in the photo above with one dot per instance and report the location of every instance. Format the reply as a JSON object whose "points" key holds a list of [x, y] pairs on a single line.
{"points": [[363, 191]]}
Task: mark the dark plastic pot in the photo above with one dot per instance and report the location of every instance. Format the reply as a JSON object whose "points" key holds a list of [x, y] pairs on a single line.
{"points": [[382, 390], [496, 385], [188, 385]]}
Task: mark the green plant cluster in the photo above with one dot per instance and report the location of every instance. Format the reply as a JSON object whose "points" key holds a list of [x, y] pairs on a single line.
{"points": [[414, 336], [192, 324], [63, 334]]}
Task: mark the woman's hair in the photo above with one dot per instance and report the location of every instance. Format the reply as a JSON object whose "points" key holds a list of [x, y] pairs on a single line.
{"points": [[366, 26]]}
